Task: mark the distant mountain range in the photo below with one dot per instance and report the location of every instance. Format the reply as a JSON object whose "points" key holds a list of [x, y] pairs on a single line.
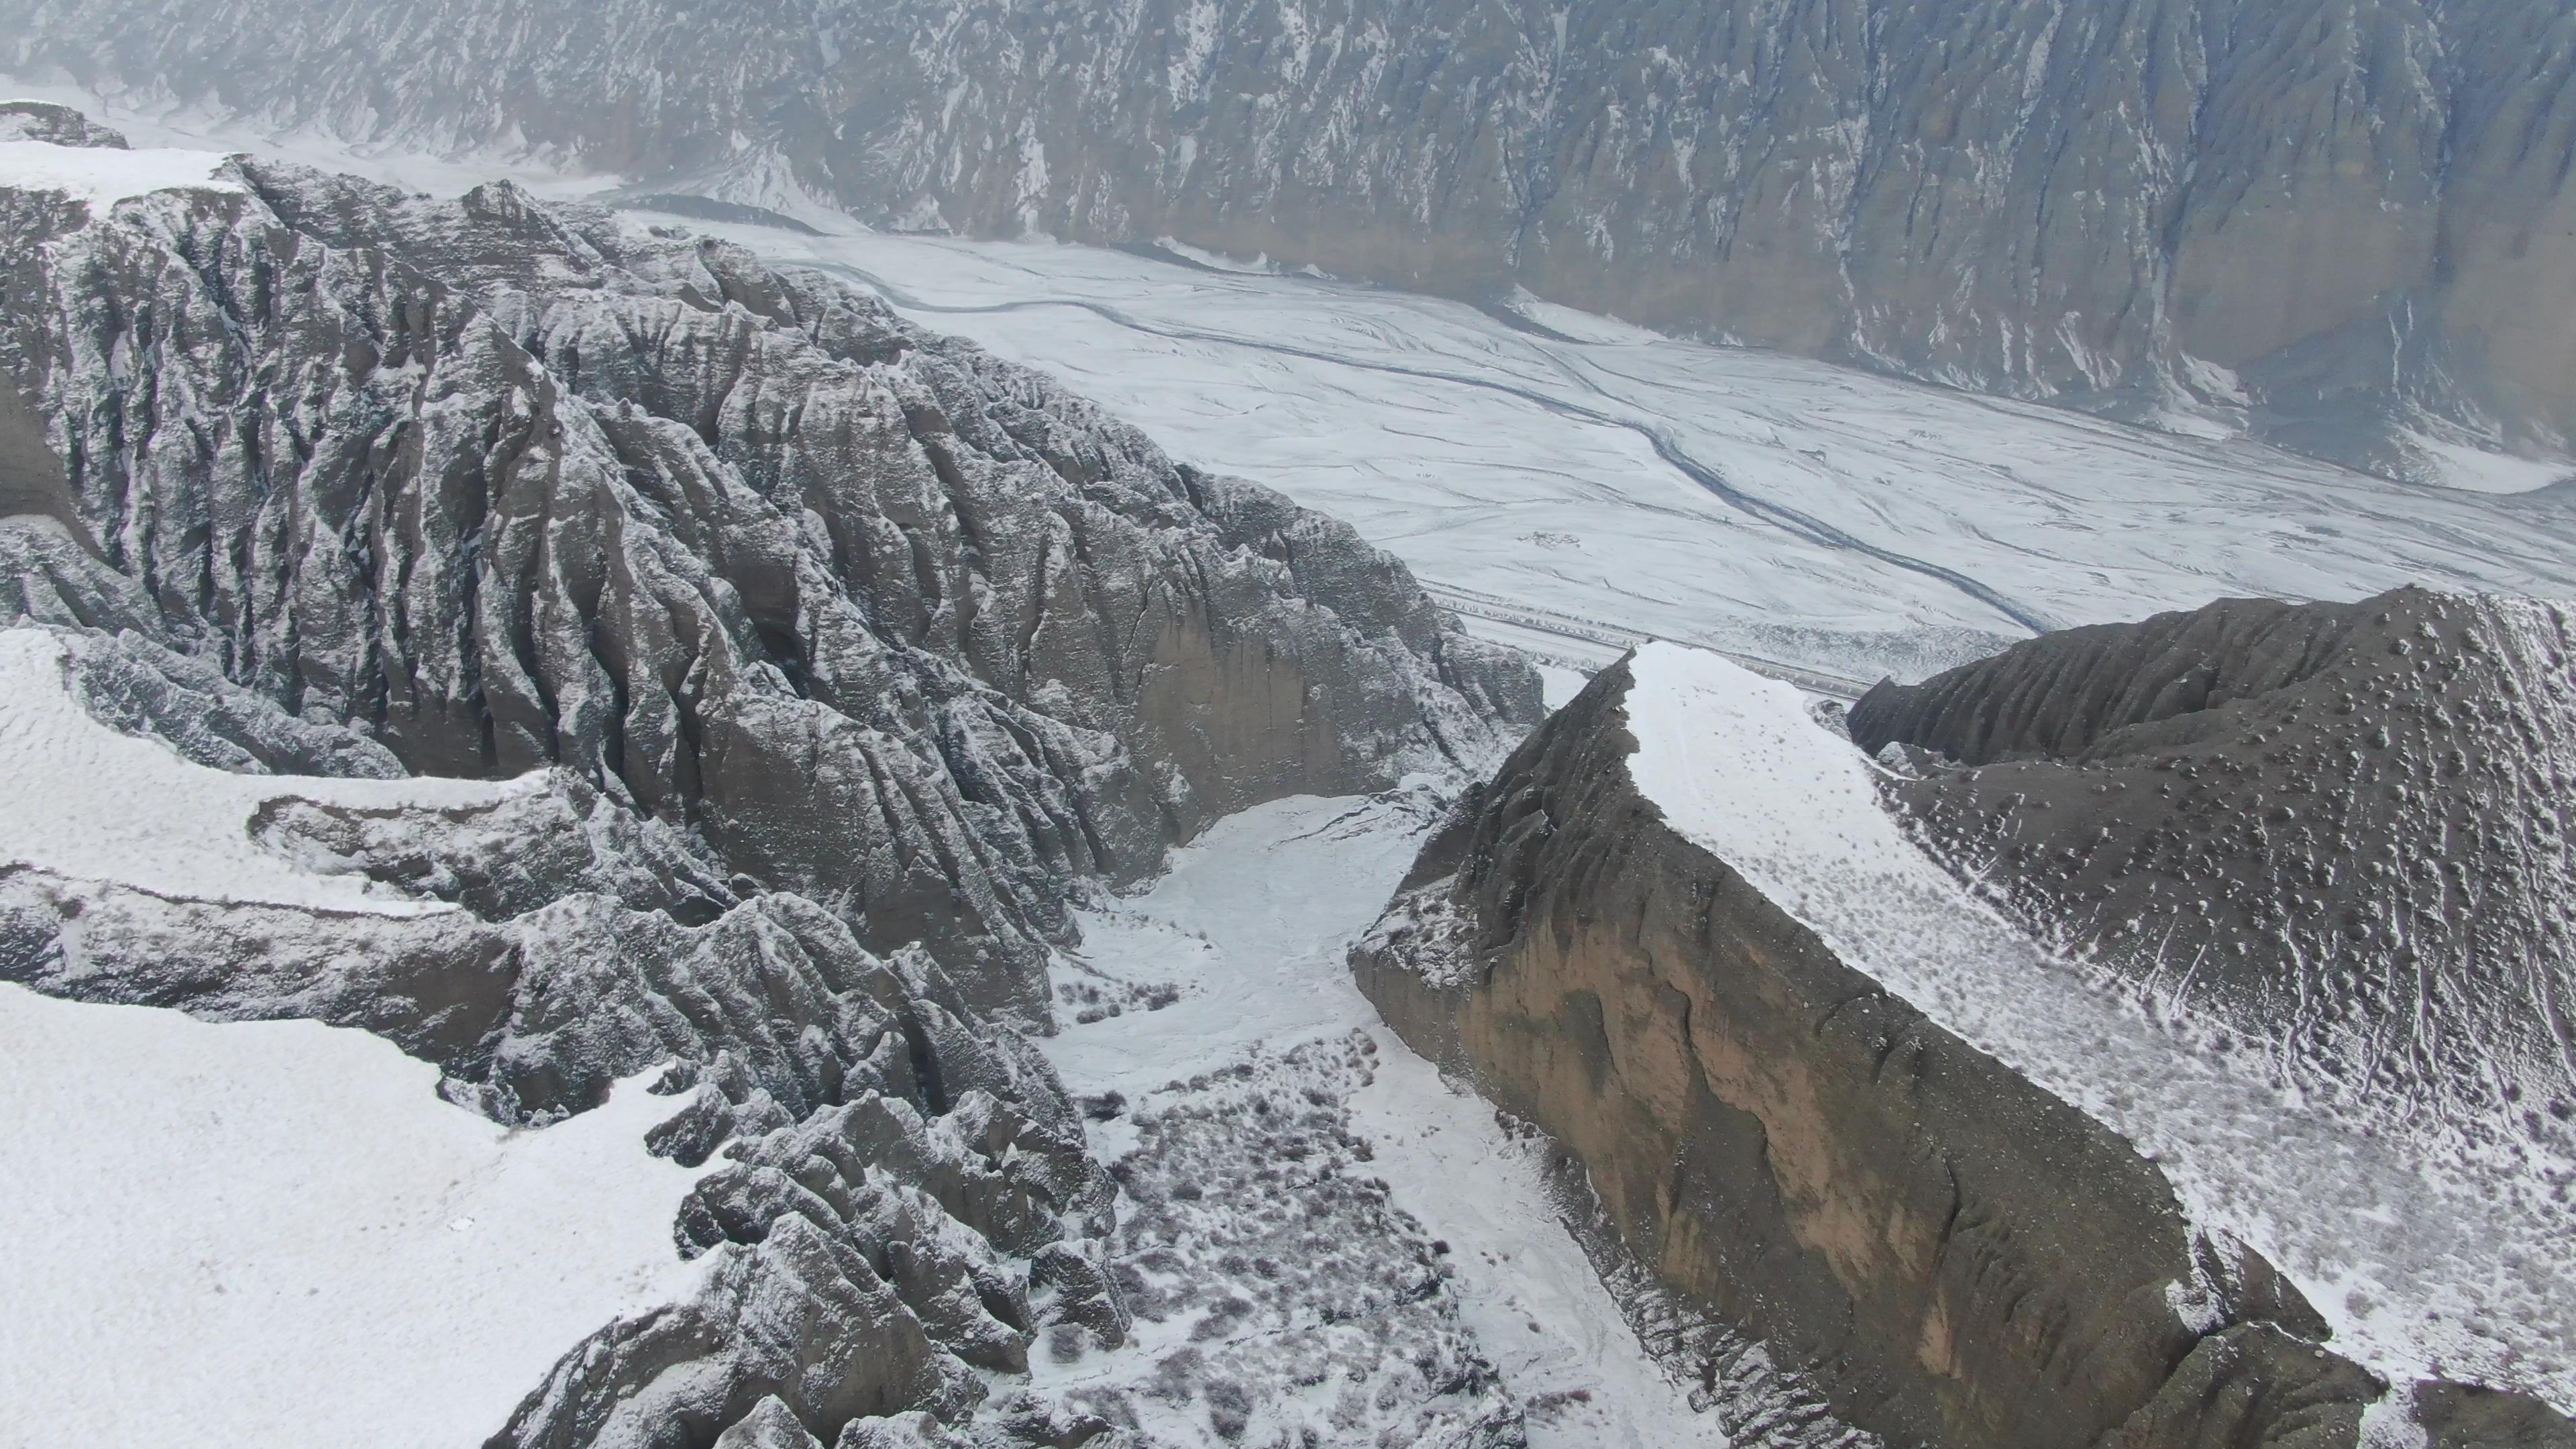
{"points": [[2341, 225]]}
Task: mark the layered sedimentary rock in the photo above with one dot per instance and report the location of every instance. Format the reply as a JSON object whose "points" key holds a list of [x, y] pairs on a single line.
{"points": [[877, 616], [1947, 1252], [2342, 829], [817, 662], [2345, 225]]}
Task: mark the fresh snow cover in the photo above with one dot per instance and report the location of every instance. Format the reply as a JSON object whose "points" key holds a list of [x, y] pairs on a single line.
{"points": [[1254, 923], [1574, 485], [271, 1233], [102, 176], [92, 803], [2415, 1265]]}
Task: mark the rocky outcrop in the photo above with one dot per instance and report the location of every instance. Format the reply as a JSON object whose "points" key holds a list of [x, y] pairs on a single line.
{"points": [[2342, 829], [2341, 225], [55, 125], [830, 661], [880, 618], [1951, 1255]]}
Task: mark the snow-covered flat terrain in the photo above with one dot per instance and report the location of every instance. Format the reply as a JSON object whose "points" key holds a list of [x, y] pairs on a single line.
{"points": [[101, 178], [1570, 482], [1252, 927], [2423, 1263], [277, 1233]]}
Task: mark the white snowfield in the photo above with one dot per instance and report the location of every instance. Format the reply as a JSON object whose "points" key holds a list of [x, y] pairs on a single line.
{"points": [[102, 177], [2414, 1264], [275, 1233], [91, 803], [1581, 487]]}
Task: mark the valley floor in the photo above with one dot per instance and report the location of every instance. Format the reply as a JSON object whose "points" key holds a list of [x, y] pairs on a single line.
{"points": [[1251, 927]]}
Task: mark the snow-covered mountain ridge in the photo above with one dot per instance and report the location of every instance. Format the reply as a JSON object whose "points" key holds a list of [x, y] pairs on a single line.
{"points": [[2340, 223]]}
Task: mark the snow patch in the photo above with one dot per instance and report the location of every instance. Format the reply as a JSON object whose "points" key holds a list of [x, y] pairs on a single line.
{"points": [[271, 1233], [90, 803], [1559, 684], [101, 177]]}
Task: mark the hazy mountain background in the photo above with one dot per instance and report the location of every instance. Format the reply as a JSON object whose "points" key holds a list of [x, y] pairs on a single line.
{"points": [[2342, 225]]}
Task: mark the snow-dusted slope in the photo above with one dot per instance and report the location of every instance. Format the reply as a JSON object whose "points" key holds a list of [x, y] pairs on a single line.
{"points": [[1229, 981], [277, 1233], [91, 803], [2424, 1262]]}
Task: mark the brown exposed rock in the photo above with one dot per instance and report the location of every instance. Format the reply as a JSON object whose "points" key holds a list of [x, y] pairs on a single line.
{"points": [[1953, 1256]]}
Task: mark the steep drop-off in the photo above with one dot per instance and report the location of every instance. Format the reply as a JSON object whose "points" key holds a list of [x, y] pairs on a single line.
{"points": [[1949, 1253], [2341, 223]]}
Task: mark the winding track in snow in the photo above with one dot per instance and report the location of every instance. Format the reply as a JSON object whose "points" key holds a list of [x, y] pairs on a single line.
{"points": [[1666, 447]]}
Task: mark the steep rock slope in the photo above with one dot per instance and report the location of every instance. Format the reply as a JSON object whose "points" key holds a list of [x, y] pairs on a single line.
{"points": [[785, 636], [874, 613], [1947, 1251], [2342, 829], [2341, 222]]}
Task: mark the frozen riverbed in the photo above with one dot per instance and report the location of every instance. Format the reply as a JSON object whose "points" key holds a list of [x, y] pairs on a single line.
{"points": [[1251, 929]]}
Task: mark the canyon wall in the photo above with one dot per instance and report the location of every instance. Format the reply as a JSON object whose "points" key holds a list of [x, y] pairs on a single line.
{"points": [[1951, 1255], [2341, 224]]}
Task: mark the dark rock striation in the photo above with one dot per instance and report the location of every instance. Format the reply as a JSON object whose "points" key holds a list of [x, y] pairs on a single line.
{"points": [[832, 659], [878, 617], [2342, 829], [1949, 1254], [2343, 224], [56, 125]]}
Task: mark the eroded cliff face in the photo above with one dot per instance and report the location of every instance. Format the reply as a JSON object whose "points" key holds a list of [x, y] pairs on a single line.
{"points": [[881, 619], [817, 663], [2342, 223], [1948, 1253]]}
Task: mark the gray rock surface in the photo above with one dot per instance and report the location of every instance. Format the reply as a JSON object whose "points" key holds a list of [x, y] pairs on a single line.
{"points": [[2344, 224], [2342, 829], [56, 124], [843, 658], [1948, 1253], [879, 617]]}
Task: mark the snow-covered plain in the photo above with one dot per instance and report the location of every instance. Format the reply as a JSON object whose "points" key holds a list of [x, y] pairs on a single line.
{"points": [[1253, 925], [277, 1233], [1573, 483], [2414, 1259]]}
